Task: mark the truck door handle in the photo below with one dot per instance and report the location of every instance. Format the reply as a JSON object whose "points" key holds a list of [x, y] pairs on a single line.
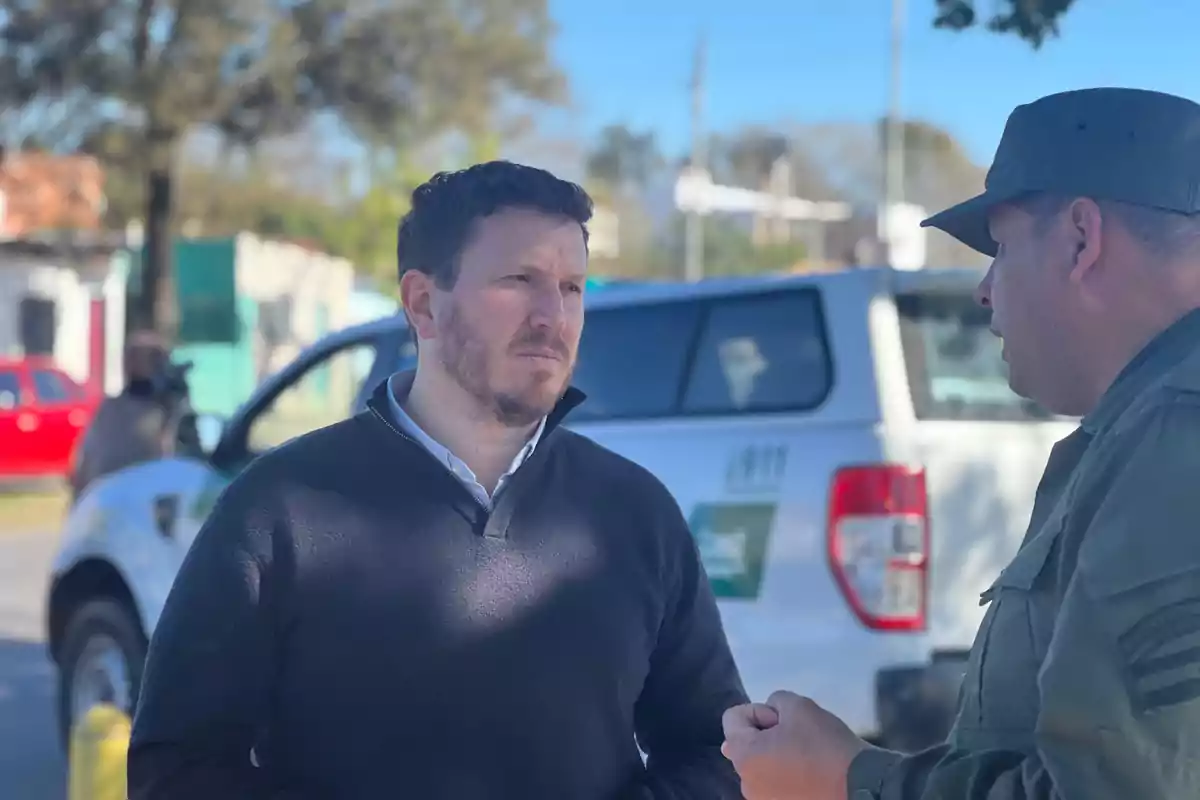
{"points": [[166, 513]]}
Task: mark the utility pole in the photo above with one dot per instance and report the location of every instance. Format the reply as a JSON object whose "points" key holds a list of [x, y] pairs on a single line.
{"points": [[893, 174], [694, 267]]}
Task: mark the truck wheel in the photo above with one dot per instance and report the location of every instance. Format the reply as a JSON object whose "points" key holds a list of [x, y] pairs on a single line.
{"points": [[103, 654]]}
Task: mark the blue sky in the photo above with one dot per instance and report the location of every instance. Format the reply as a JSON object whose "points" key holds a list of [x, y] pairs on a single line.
{"points": [[826, 60]]}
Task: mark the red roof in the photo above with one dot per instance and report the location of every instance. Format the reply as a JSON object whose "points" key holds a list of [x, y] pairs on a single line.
{"points": [[43, 191]]}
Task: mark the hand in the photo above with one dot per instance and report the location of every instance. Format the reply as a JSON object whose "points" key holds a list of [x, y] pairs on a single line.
{"points": [[789, 749]]}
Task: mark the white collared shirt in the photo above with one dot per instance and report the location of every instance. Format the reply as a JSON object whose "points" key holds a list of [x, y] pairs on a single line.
{"points": [[458, 468]]}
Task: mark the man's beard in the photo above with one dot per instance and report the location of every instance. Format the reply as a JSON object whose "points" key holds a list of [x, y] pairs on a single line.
{"points": [[465, 358]]}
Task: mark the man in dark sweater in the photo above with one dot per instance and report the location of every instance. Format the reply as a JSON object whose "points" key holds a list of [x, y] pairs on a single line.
{"points": [[448, 596]]}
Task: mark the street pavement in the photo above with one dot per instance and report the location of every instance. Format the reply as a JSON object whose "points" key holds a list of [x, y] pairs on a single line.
{"points": [[31, 763]]}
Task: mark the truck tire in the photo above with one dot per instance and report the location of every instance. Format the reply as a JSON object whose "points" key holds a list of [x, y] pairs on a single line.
{"points": [[103, 653]]}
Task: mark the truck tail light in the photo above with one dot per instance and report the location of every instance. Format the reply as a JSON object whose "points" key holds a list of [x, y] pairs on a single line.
{"points": [[878, 542]]}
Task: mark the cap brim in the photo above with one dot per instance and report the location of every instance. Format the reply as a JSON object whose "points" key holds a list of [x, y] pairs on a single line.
{"points": [[968, 222]]}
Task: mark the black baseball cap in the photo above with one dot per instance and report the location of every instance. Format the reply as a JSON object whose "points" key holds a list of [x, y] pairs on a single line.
{"points": [[1126, 145]]}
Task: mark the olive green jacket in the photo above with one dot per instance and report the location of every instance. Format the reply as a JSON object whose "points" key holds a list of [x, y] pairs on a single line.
{"points": [[1084, 680]]}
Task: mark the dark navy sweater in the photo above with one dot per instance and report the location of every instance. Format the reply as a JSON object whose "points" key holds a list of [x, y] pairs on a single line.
{"points": [[355, 618]]}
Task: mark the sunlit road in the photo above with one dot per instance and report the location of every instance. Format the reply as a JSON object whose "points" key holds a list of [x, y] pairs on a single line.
{"points": [[31, 763]]}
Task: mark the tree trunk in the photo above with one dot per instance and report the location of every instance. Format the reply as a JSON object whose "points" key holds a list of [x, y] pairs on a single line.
{"points": [[158, 305]]}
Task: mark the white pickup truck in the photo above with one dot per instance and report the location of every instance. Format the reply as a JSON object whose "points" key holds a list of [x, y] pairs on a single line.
{"points": [[845, 445]]}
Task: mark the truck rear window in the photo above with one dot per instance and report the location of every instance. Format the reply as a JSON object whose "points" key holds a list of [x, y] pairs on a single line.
{"points": [[956, 370]]}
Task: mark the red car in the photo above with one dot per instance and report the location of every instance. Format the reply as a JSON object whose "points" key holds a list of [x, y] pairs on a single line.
{"points": [[43, 412]]}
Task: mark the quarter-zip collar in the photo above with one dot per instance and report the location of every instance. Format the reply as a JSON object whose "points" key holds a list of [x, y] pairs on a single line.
{"points": [[379, 402], [398, 391], [491, 522]]}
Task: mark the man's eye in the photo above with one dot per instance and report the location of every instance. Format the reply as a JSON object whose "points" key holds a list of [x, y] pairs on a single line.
{"points": [[574, 287]]}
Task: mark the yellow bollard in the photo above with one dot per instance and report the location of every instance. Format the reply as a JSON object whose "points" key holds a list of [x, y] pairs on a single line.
{"points": [[99, 746]]}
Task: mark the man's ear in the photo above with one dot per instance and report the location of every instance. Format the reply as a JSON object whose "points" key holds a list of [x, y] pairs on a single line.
{"points": [[1087, 233], [416, 297]]}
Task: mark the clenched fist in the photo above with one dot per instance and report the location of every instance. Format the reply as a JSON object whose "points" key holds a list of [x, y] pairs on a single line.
{"points": [[789, 749]]}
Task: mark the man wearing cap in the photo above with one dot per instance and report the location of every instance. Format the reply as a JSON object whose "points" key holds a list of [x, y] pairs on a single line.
{"points": [[1084, 680], [132, 427]]}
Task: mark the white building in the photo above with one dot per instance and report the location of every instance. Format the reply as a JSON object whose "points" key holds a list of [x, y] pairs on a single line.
{"points": [[65, 298]]}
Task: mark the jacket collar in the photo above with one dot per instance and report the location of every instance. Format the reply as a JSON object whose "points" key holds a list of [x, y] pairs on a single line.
{"points": [[1154, 361], [379, 403]]}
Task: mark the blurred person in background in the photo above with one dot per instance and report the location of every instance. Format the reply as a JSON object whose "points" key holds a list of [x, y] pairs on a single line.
{"points": [[135, 425], [449, 596], [1084, 679]]}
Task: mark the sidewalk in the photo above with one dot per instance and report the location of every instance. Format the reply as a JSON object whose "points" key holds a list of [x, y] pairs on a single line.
{"points": [[30, 512]]}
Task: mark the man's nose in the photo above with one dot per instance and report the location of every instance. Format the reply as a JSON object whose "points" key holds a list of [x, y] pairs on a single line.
{"points": [[983, 292], [549, 308]]}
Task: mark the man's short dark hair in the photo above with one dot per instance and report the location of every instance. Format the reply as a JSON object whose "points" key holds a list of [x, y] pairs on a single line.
{"points": [[1165, 233], [445, 208]]}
